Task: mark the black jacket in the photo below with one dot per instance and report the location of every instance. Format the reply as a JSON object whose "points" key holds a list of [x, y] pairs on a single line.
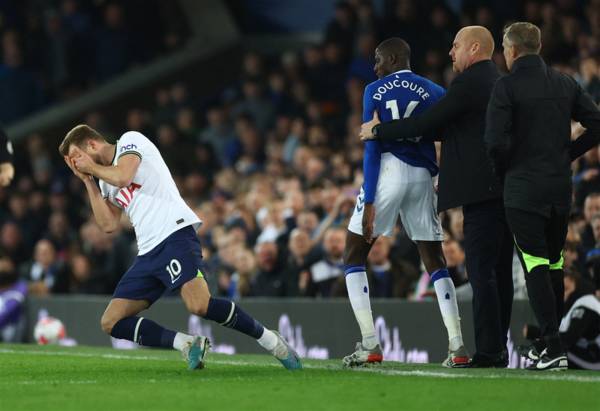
{"points": [[458, 120], [528, 134]]}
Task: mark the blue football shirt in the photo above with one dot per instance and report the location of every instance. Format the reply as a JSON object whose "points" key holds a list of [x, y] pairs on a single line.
{"points": [[398, 95]]}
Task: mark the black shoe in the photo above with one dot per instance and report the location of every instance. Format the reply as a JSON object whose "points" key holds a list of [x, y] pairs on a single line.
{"points": [[547, 362], [528, 351], [486, 361]]}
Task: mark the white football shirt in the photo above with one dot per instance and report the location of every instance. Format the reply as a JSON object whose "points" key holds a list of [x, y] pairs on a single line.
{"points": [[152, 201]]}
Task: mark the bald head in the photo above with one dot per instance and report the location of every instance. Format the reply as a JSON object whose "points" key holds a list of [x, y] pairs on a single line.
{"points": [[471, 45], [481, 36]]}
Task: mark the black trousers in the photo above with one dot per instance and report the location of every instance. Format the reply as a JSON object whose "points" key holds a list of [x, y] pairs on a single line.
{"points": [[540, 241], [489, 253]]}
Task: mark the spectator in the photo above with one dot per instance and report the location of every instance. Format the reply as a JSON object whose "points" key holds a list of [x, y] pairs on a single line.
{"points": [[590, 77], [113, 44], [327, 274], [255, 105], [302, 254], [587, 180], [269, 280], [45, 272], [342, 28], [591, 207], [455, 261], [592, 257], [12, 298], [60, 233], [218, 132], [385, 280], [11, 243], [362, 64], [20, 92], [81, 278]]}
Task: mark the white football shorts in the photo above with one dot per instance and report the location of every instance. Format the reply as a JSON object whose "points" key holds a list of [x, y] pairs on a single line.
{"points": [[406, 191]]}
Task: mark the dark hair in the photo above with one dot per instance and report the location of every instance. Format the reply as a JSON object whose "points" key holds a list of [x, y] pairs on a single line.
{"points": [[397, 47]]}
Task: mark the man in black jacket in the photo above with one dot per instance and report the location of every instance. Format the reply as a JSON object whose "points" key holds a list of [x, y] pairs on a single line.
{"points": [[528, 137], [466, 179]]}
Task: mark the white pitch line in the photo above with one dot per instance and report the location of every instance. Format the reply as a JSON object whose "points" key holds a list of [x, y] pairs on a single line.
{"points": [[53, 382], [375, 370]]}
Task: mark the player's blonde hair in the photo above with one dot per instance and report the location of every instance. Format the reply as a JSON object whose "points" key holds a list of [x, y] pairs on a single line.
{"points": [[77, 136]]}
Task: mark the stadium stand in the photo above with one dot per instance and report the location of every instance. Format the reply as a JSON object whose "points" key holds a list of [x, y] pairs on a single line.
{"points": [[271, 162]]}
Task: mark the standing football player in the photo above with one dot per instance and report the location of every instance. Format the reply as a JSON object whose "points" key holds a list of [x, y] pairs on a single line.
{"points": [[135, 180], [398, 181]]}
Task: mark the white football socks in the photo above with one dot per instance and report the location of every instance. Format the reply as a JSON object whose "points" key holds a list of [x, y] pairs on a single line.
{"points": [[181, 340], [446, 297], [268, 340], [358, 292]]}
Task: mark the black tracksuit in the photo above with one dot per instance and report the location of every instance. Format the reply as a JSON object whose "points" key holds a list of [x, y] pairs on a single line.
{"points": [[467, 179], [528, 138]]}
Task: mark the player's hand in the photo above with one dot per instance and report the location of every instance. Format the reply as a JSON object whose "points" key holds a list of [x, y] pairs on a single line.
{"points": [[368, 221], [366, 129], [7, 173], [82, 161], [84, 177]]}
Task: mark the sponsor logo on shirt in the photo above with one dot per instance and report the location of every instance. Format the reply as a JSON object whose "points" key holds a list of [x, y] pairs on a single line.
{"points": [[128, 147], [125, 195]]}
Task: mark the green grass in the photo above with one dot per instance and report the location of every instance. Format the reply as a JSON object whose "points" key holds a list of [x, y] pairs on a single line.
{"points": [[88, 379]]}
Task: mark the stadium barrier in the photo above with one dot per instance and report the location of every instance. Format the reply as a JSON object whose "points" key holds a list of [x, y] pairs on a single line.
{"points": [[409, 331]]}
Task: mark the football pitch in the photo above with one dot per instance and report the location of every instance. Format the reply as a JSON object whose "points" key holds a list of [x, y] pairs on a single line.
{"points": [[89, 378]]}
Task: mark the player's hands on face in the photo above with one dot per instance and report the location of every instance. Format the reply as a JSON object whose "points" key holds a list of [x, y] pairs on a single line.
{"points": [[82, 161], [366, 129], [368, 221], [7, 173], [78, 173]]}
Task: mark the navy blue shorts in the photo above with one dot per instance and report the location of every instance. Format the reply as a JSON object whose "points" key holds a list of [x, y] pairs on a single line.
{"points": [[169, 265]]}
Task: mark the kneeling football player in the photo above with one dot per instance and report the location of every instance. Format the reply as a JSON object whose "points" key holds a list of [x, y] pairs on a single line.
{"points": [[134, 179]]}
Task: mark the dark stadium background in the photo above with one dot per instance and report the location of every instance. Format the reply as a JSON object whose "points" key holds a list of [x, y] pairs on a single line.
{"points": [[255, 106]]}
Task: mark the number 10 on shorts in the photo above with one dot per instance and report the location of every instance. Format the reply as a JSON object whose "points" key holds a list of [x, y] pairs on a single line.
{"points": [[174, 270]]}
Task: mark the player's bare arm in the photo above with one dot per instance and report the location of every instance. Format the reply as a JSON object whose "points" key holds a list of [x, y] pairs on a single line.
{"points": [[106, 214], [120, 175]]}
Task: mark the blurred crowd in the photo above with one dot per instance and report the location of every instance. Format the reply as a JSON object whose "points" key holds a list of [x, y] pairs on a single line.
{"points": [[56, 49], [273, 164]]}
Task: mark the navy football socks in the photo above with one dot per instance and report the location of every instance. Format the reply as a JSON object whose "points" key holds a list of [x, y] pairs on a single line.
{"points": [[144, 332], [228, 314], [148, 333]]}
